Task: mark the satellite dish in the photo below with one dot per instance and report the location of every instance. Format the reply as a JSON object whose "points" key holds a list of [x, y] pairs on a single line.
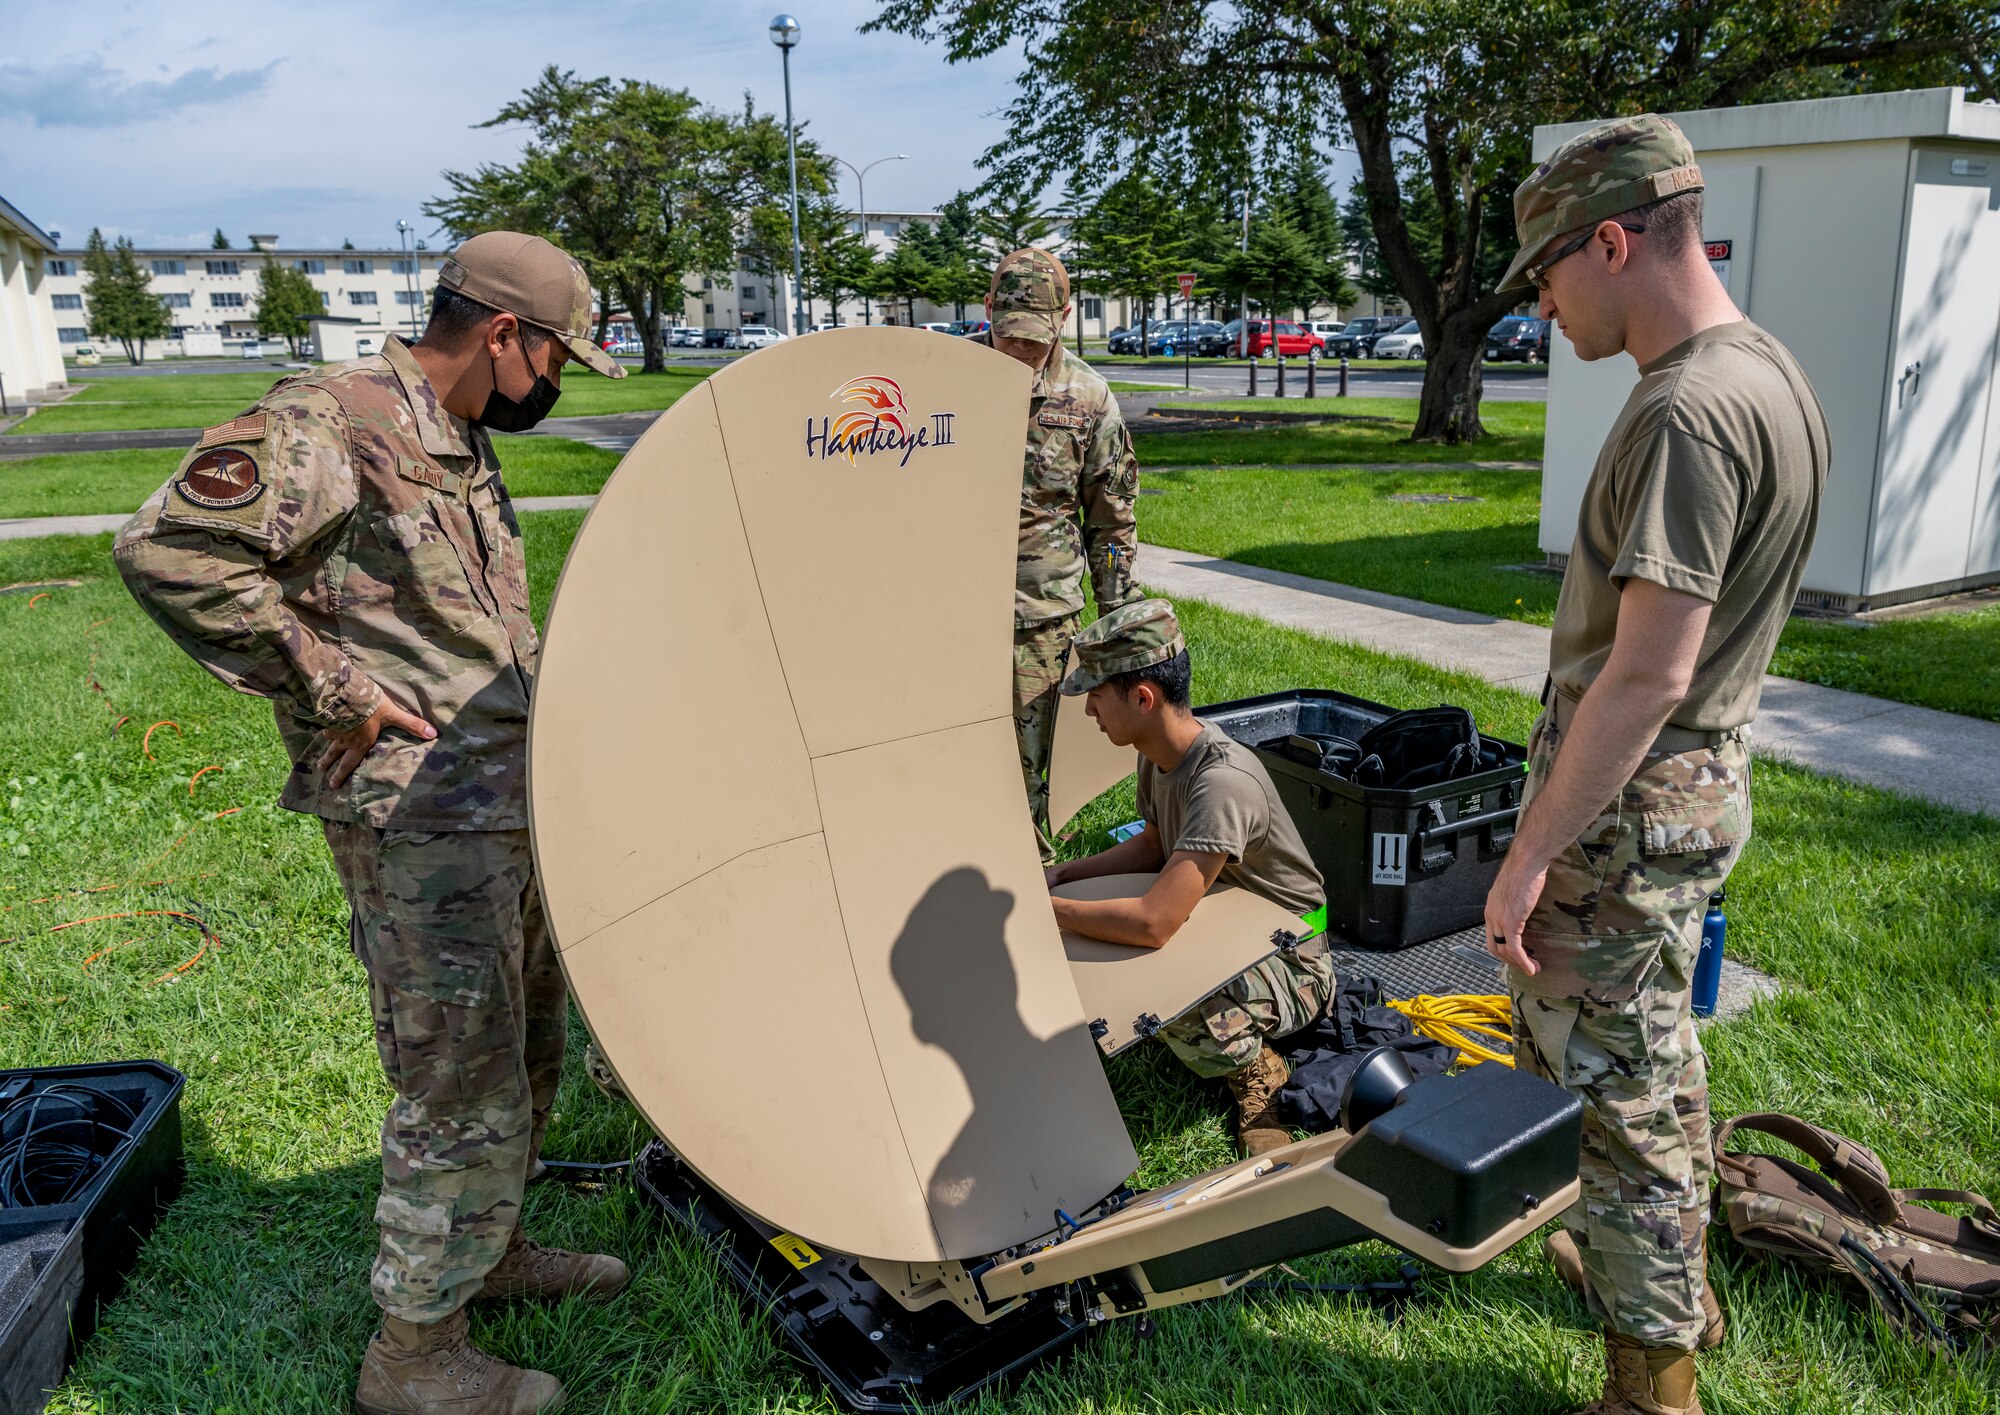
{"points": [[775, 793]]}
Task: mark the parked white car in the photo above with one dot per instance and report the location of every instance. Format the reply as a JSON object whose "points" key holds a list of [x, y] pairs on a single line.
{"points": [[1325, 329], [687, 336], [752, 336], [936, 328], [1404, 343], [822, 327]]}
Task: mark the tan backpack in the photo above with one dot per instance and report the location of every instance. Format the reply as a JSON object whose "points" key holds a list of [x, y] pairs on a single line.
{"points": [[1932, 1275]]}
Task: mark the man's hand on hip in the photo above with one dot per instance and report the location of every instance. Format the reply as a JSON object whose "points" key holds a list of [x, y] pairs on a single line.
{"points": [[344, 750]]}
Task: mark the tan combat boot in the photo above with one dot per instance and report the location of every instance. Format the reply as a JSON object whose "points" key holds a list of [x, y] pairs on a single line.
{"points": [[1645, 1380], [551, 1274], [1559, 1247], [435, 1369], [1256, 1090]]}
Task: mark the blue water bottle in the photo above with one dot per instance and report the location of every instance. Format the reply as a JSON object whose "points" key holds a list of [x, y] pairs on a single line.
{"points": [[1708, 966]]}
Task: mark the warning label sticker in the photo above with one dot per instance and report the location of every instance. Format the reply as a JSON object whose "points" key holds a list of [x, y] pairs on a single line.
{"points": [[799, 1253], [1388, 865]]}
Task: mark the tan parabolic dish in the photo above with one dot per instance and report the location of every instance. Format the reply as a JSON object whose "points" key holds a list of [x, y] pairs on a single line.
{"points": [[1229, 932], [778, 812], [1082, 763]]}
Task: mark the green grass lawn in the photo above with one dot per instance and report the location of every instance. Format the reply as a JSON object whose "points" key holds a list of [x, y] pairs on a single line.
{"points": [[203, 399], [1117, 387], [93, 483], [1348, 526], [1514, 435], [1880, 914]]}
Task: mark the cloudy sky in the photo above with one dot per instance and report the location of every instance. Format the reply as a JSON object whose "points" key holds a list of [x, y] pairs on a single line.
{"points": [[162, 121]]}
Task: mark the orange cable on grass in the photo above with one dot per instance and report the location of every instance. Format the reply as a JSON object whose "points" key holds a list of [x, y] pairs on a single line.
{"points": [[34, 600], [209, 938], [146, 744], [198, 776]]}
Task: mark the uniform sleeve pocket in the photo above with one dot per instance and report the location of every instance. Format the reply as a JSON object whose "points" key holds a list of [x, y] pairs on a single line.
{"points": [[1600, 967]]}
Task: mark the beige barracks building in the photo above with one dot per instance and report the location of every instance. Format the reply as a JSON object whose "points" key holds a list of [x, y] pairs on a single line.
{"points": [[30, 352], [211, 296]]}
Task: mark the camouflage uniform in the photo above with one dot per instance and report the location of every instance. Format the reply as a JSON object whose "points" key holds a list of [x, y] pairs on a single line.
{"points": [[1223, 1033], [1078, 485], [345, 535], [1608, 1017]]}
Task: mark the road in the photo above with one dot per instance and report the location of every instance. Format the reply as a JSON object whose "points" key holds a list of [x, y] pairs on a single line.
{"points": [[1529, 384]]}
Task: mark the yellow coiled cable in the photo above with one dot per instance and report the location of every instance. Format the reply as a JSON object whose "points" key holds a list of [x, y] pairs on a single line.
{"points": [[1453, 1019]]}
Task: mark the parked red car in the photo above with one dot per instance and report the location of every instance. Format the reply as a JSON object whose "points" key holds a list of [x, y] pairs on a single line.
{"points": [[1292, 340]]}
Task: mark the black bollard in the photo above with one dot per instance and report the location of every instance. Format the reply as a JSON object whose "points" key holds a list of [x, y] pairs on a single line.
{"points": [[1281, 377], [1343, 375], [1312, 377], [1253, 378]]}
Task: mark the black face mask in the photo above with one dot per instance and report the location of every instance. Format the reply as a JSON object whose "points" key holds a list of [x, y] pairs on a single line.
{"points": [[504, 414]]}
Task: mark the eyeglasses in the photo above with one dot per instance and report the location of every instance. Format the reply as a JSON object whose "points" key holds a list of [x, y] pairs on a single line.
{"points": [[1538, 273]]}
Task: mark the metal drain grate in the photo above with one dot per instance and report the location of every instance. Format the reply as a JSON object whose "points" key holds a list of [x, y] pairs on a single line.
{"points": [[1454, 963]]}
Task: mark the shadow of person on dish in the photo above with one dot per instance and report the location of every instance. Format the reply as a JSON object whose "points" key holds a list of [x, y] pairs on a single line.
{"points": [[1043, 1132]]}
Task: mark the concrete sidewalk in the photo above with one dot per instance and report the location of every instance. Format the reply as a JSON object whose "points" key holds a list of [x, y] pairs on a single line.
{"points": [[26, 527], [1938, 756]]}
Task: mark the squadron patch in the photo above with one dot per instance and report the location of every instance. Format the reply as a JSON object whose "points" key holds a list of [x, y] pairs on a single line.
{"points": [[221, 480]]}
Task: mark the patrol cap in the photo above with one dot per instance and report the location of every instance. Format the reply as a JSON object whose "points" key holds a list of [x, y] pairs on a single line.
{"points": [[1030, 291], [1596, 175], [1130, 637], [535, 282]]}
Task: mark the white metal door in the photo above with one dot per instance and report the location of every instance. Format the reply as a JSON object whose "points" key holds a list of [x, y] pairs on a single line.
{"points": [[1941, 375]]}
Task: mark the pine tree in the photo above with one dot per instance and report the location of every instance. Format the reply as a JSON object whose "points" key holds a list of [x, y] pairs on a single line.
{"points": [[120, 295], [218, 242]]}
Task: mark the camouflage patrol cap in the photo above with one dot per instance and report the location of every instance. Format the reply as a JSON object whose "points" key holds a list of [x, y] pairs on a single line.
{"points": [[1130, 637], [535, 282], [1595, 176], [1030, 291]]}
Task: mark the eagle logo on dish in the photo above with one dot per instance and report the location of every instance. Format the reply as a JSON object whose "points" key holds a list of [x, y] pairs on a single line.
{"points": [[882, 422]]}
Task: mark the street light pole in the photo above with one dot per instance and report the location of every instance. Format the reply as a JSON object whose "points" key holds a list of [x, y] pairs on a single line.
{"points": [[403, 229], [1243, 322], [861, 194], [785, 34]]}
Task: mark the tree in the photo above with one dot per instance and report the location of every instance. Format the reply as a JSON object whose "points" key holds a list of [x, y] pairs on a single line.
{"points": [[643, 185], [907, 275], [287, 303], [218, 242], [1009, 223], [346, 243], [1441, 95], [120, 295], [1131, 241]]}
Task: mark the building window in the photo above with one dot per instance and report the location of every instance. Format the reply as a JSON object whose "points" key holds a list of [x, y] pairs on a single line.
{"points": [[172, 302], [892, 228], [310, 267], [403, 267], [170, 267], [749, 292], [855, 228], [361, 297], [73, 336], [62, 267], [225, 299], [66, 302], [325, 300], [358, 267], [1093, 307], [223, 267], [408, 297]]}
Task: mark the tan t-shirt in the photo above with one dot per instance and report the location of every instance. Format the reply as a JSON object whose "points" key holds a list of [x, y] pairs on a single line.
{"points": [[1709, 483], [1220, 801]]}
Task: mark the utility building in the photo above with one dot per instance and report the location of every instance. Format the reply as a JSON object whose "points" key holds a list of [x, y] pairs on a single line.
{"points": [[1864, 233], [30, 356]]}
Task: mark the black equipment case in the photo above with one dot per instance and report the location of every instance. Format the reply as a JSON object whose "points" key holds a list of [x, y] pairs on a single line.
{"points": [[1401, 865]]}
